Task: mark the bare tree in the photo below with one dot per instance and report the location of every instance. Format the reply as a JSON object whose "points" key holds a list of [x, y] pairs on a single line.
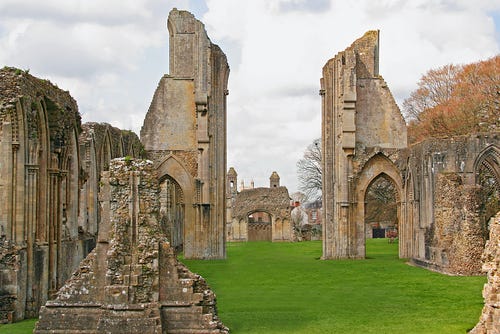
{"points": [[309, 171]]}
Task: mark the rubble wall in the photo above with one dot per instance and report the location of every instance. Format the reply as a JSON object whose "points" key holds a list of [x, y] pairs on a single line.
{"points": [[131, 279], [490, 316]]}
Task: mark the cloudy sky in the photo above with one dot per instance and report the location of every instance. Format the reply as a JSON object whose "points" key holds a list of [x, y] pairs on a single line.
{"points": [[111, 54]]}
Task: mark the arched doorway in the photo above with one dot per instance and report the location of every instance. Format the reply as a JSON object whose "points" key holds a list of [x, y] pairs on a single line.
{"points": [[381, 172], [381, 211], [172, 210], [259, 226], [178, 192]]}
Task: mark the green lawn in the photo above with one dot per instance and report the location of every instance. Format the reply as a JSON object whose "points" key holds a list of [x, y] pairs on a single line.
{"points": [[285, 288]]}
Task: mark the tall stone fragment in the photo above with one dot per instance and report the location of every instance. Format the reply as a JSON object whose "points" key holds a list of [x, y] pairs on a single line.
{"points": [[184, 132], [361, 129], [131, 282]]}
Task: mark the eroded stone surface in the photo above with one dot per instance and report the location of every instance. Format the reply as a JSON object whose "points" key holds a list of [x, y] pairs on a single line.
{"points": [[489, 321], [49, 174], [184, 132], [131, 282], [362, 128]]}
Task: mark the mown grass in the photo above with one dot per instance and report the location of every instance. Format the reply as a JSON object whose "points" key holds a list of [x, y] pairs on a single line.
{"points": [[22, 327], [285, 288]]}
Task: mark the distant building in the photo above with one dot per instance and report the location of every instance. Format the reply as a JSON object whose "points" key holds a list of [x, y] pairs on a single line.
{"points": [[255, 214]]}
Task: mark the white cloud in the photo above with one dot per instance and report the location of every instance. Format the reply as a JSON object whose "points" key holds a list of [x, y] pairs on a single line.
{"points": [[111, 54], [274, 109]]}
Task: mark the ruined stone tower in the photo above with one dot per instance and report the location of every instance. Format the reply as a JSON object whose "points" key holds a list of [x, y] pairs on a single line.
{"points": [[184, 132], [362, 126]]}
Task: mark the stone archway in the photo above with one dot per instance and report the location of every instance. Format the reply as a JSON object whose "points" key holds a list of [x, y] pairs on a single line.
{"points": [[260, 226], [378, 166], [173, 170], [172, 210]]}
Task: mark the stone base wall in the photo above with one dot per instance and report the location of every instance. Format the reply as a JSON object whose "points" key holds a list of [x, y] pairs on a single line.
{"points": [[489, 322]]}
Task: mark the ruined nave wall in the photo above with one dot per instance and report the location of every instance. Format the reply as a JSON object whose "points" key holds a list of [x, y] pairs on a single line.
{"points": [[49, 176]]}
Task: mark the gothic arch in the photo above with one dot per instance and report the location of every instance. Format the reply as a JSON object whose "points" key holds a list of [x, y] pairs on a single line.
{"points": [[377, 166], [171, 167], [70, 180], [487, 177], [489, 158], [105, 152], [260, 230], [412, 243]]}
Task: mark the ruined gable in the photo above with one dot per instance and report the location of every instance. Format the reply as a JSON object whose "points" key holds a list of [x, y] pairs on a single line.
{"points": [[184, 132], [361, 121]]}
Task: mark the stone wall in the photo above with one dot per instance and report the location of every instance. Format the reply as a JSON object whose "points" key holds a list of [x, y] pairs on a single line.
{"points": [[361, 121], [184, 132], [131, 279], [49, 175], [446, 188], [445, 205], [490, 316]]}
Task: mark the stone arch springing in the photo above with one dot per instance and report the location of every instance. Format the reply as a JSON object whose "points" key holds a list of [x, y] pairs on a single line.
{"points": [[487, 177], [376, 166]]}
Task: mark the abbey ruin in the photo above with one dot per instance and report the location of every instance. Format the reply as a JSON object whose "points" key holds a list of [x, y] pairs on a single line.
{"points": [[64, 194], [184, 132], [91, 217], [442, 185], [258, 214]]}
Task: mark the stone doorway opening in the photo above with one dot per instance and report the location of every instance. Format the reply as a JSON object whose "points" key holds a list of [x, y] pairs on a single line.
{"points": [[259, 226], [381, 209], [172, 210]]}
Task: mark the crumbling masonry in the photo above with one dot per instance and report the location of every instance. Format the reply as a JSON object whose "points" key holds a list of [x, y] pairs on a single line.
{"points": [[447, 189], [184, 132], [49, 175], [50, 211], [131, 282]]}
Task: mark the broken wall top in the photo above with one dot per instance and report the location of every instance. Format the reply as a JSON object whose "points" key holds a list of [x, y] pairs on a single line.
{"points": [[273, 200], [369, 115], [198, 71], [191, 51], [32, 105]]}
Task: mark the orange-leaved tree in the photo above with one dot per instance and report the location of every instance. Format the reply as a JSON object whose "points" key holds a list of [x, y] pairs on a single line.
{"points": [[455, 100]]}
